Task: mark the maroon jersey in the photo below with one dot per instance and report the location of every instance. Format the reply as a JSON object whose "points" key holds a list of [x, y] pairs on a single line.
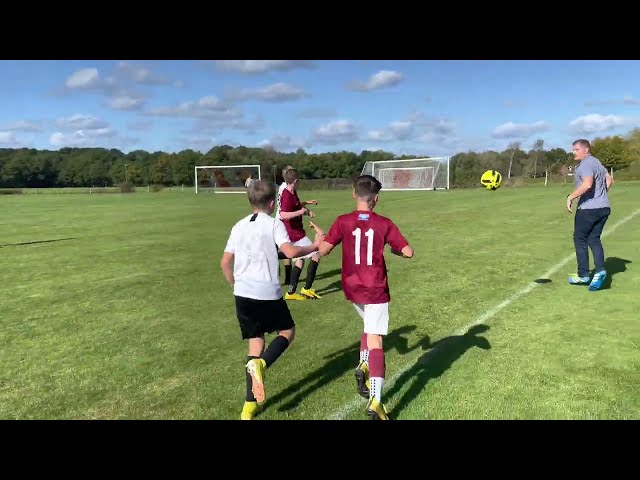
{"points": [[290, 202], [364, 235]]}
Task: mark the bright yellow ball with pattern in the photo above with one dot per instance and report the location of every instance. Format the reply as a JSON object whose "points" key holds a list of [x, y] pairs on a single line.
{"points": [[491, 179]]}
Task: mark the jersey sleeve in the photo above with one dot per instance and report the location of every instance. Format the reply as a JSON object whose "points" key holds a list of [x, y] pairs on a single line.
{"points": [[395, 238], [280, 234], [334, 235], [232, 241]]}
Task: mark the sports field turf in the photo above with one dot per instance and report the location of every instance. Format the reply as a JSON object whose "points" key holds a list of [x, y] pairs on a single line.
{"points": [[114, 306]]}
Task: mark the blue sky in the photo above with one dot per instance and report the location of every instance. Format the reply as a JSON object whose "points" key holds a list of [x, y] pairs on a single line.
{"points": [[407, 107]]}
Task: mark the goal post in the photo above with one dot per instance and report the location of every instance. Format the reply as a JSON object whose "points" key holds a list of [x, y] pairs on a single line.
{"points": [[224, 178], [411, 174]]}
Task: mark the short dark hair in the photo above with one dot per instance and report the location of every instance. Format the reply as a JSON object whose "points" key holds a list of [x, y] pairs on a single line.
{"points": [[583, 143], [261, 193], [290, 175], [366, 187]]}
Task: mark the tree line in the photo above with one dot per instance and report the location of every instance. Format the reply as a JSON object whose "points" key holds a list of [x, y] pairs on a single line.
{"points": [[76, 167]]}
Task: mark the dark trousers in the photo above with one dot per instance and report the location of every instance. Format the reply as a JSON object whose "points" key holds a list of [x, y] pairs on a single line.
{"points": [[586, 234]]}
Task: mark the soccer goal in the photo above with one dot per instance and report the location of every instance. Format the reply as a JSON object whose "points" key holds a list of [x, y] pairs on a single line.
{"points": [[411, 174], [224, 178]]}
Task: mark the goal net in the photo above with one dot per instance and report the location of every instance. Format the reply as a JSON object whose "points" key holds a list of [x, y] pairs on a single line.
{"points": [[225, 178], [411, 174]]}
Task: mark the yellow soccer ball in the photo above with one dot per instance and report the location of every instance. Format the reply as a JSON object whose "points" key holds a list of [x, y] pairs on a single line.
{"points": [[491, 179]]}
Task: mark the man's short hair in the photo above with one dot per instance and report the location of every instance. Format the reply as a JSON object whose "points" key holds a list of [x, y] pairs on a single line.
{"points": [[285, 169], [290, 176], [261, 193], [582, 143], [366, 187]]}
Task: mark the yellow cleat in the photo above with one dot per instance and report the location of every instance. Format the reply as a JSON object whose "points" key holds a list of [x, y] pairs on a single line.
{"points": [[311, 293], [376, 410], [294, 296], [256, 368], [362, 379], [250, 410]]}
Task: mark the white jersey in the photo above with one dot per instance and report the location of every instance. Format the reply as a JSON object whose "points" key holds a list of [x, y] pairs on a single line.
{"points": [[281, 188], [253, 242]]}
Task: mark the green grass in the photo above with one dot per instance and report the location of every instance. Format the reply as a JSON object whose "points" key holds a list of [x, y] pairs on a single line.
{"points": [[114, 306]]}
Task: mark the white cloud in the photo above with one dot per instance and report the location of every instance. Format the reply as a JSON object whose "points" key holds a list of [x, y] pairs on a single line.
{"points": [[82, 138], [82, 122], [8, 138], [143, 125], [595, 123], [141, 74], [339, 131], [203, 107], [519, 130], [25, 126], [126, 103], [261, 66], [285, 143], [278, 92], [317, 113], [381, 79], [416, 126], [85, 78]]}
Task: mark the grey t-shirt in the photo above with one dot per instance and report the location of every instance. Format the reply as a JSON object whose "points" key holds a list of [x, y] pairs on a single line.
{"points": [[596, 196]]}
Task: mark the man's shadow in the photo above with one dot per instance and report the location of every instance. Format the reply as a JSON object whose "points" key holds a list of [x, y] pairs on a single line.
{"points": [[340, 362], [613, 265], [438, 358], [331, 288]]}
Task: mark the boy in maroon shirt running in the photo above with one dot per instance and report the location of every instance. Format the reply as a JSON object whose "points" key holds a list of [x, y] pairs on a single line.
{"points": [[364, 235]]}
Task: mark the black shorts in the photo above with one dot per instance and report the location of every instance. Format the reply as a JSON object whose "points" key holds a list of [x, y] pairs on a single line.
{"points": [[257, 317]]}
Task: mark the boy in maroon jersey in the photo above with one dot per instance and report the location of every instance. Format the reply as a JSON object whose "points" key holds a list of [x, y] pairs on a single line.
{"points": [[364, 235], [291, 213]]}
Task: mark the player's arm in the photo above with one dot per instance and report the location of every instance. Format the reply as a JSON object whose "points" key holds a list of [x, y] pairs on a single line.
{"points": [[289, 249], [287, 205], [330, 240], [227, 267], [406, 252], [587, 183], [310, 202], [399, 245], [294, 214]]}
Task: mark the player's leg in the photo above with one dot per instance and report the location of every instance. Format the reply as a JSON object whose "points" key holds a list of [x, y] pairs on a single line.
{"points": [[311, 276], [295, 278], [362, 370], [248, 313], [376, 325], [287, 271], [601, 217], [581, 230]]}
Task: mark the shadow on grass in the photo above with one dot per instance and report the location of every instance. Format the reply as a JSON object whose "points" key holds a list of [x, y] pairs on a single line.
{"points": [[438, 358], [613, 265], [35, 242], [340, 362]]}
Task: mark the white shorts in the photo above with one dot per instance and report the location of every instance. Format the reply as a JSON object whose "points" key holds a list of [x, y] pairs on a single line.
{"points": [[304, 242], [375, 317]]}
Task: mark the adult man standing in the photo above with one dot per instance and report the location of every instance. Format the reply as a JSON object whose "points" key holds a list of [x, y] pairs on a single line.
{"points": [[592, 186]]}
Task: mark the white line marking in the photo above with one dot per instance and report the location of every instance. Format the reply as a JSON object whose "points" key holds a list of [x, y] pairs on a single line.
{"points": [[346, 409]]}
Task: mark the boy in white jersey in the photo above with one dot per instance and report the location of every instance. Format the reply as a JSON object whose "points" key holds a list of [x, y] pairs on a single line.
{"points": [[250, 265]]}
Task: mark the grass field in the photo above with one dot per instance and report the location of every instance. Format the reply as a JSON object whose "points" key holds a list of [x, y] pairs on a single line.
{"points": [[114, 307]]}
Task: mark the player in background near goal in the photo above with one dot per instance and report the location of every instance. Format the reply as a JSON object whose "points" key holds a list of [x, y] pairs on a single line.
{"points": [[291, 213], [249, 181], [287, 261], [363, 235], [250, 265]]}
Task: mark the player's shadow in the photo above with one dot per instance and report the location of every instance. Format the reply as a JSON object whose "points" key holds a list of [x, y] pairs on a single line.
{"points": [[331, 273], [331, 288], [613, 265], [439, 356], [339, 363], [35, 242]]}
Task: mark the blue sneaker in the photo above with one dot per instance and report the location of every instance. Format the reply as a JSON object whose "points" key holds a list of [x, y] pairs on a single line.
{"points": [[598, 280], [575, 279]]}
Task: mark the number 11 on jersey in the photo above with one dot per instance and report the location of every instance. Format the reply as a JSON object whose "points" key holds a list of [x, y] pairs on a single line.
{"points": [[357, 233]]}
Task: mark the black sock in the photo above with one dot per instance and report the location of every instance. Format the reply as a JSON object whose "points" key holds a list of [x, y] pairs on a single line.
{"points": [[249, 397], [295, 276], [287, 274], [276, 348], [311, 274]]}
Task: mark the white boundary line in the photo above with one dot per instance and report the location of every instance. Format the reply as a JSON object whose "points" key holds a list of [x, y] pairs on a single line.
{"points": [[346, 409]]}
